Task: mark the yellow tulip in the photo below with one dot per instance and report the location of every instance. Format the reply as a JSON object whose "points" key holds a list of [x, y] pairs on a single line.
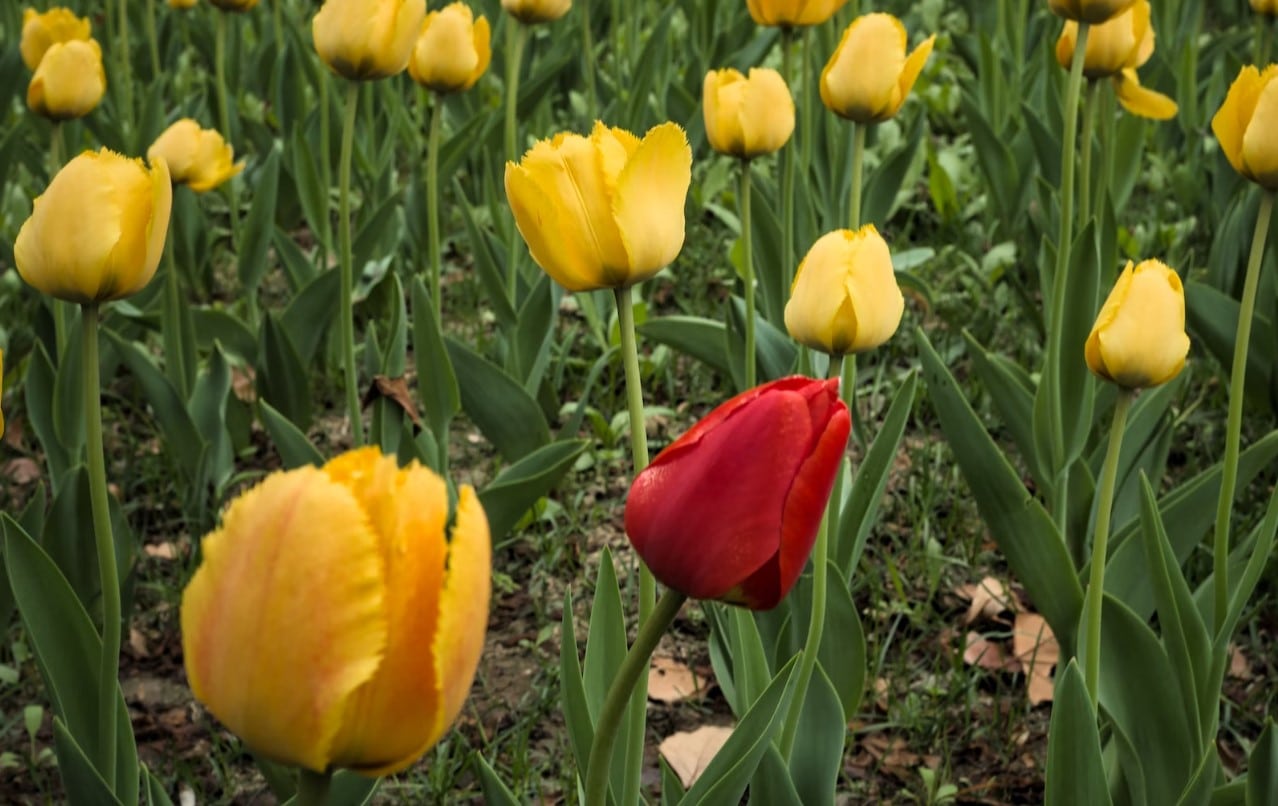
{"points": [[367, 39], [793, 13], [1139, 337], [1092, 11], [69, 82], [531, 12], [452, 51], [198, 158], [182, 3], [334, 620], [604, 211], [1114, 50], [1269, 7], [845, 298], [234, 5], [98, 231], [746, 117], [869, 76], [1245, 123], [39, 31]]}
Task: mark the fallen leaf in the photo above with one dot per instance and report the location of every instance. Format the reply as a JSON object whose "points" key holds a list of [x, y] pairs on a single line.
{"points": [[1035, 647], [689, 753], [137, 643], [982, 652], [670, 681], [161, 551], [244, 383], [396, 391], [989, 599], [1239, 666], [21, 470]]}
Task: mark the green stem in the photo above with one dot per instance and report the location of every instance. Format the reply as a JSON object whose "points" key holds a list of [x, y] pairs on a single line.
{"points": [[516, 39], [1233, 428], [1266, 39], [747, 266], [126, 67], [60, 308], [174, 358], [588, 43], [432, 201], [858, 159], [1085, 166], [153, 41], [346, 265], [108, 576], [816, 626], [631, 676], [1100, 545], [788, 169], [1106, 118], [277, 20], [224, 120], [326, 160], [312, 788], [807, 126]]}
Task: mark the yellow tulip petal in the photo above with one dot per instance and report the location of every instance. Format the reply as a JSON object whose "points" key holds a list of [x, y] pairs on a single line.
{"points": [[721, 93], [1143, 343], [483, 47], [913, 66], [1066, 43], [1140, 100], [295, 550], [766, 116], [861, 80], [1230, 121], [561, 252], [1142, 32], [875, 295], [1260, 152], [650, 197]]}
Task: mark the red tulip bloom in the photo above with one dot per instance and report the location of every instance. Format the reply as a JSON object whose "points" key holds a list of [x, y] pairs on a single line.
{"points": [[731, 509]]}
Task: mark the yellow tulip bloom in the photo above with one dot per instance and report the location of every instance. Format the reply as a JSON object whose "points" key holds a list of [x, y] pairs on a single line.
{"points": [[869, 75], [39, 31], [747, 117], [334, 621], [1092, 11], [452, 51], [604, 211], [845, 298], [793, 13], [234, 5], [69, 82], [198, 158], [1245, 123], [531, 12], [1139, 337], [1269, 7], [98, 231], [182, 3], [367, 39], [1114, 50]]}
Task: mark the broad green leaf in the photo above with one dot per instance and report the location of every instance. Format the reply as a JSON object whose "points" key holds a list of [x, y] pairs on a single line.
{"points": [[213, 325], [536, 320], [259, 224], [282, 380], [436, 382], [68, 391], [295, 449], [311, 191], [169, 407], [351, 789], [38, 386], [703, 339], [1262, 768], [1212, 317], [775, 351], [155, 794], [750, 669], [510, 419], [1075, 774], [309, 314], [572, 692], [605, 650], [883, 185], [519, 486], [496, 793], [1011, 390], [772, 784], [81, 779], [671, 787], [817, 758]]}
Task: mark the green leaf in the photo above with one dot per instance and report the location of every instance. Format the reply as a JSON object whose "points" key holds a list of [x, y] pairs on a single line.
{"points": [[282, 380], [671, 787], [436, 382], [510, 419], [487, 267], [750, 672], [1011, 390], [703, 339], [772, 784], [572, 691], [208, 413], [533, 333], [259, 225], [155, 794], [68, 392], [1075, 773], [775, 351], [351, 789], [309, 314], [39, 388], [295, 449], [311, 192], [605, 650], [67, 537], [81, 779], [1262, 768], [818, 750], [496, 793], [1212, 317], [518, 487], [884, 183], [213, 325]]}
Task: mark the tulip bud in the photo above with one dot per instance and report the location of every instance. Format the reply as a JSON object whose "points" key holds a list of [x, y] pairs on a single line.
{"points": [[234, 5], [531, 12], [730, 510], [335, 621], [181, 4], [69, 81], [604, 211], [452, 51], [1139, 337], [869, 75], [845, 298], [1245, 125], [39, 31], [1114, 50], [1268, 7], [367, 39], [198, 158], [1091, 11], [98, 231], [793, 13], [747, 117]]}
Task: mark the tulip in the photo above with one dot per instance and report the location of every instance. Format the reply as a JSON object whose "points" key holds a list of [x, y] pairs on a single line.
{"points": [[180, 4], [531, 12], [1139, 337], [1245, 125], [334, 620], [452, 51], [367, 39], [69, 81], [98, 231], [747, 117], [1114, 50], [730, 510], [39, 31], [1268, 7], [198, 158], [604, 211], [234, 5], [793, 13], [1091, 11], [869, 75], [845, 298]]}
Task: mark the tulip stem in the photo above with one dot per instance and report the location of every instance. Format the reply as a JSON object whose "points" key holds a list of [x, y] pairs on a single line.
{"points": [[224, 120], [631, 676], [1100, 545], [816, 626], [516, 39], [312, 788], [174, 356], [277, 20], [326, 166], [1085, 165], [126, 68], [108, 666], [747, 270], [432, 201], [788, 170], [588, 43], [1106, 132], [858, 159], [1233, 428], [60, 308], [153, 41], [1266, 39], [346, 265]]}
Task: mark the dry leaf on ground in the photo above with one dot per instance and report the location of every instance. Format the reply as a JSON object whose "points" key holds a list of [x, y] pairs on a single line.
{"points": [[989, 599], [670, 681], [689, 753], [982, 652], [1035, 647]]}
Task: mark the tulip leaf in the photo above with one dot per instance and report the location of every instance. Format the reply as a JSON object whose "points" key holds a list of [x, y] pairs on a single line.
{"points": [[295, 449], [1003, 177], [1262, 768], [1075, 772], [155, 794], [312, 194], [309, 314], [775, 352], [485, 251], [351, 789], [701, 338], [67, 538], [519, 486], [644, 75], [1011, 390], [259, 225], [436, 382], [533, 333], [572, 692], [817, 758], [510, 418], [671, 787], [82, 781], [68, 391], [750, 669], [496, 793], [39, 385], [769, 266], [282, 380], [372, 241], [213, 325], [208, 413], [883, 186], [772, 784], [1212, 318], [605, 650]]}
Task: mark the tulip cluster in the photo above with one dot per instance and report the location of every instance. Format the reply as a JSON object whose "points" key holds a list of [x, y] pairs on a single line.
{"points": [[1115, 49], [69, 79]]}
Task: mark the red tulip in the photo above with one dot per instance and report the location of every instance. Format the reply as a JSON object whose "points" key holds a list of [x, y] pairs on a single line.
{"points": [[730, 510]]}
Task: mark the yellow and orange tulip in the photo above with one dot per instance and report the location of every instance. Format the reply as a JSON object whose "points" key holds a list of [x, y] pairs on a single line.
{"points": [[869, 75], [1091, 11], [198, 158], [793, 13], [1139, 338], [367, 39], [531, 12]]}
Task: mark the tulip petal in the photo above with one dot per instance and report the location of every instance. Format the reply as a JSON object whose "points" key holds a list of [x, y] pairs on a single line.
{"points": [[767, 114], [1140, 100], [1259, 151], [296, 549], [861, 81], [650, 197], [483, 47], [1230, 121], [1144, 342], [873, 292], [913, 66]]}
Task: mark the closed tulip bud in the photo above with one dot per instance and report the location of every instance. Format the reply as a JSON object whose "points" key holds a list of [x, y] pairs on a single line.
{"points": [[180, 4], [97, 232], [452, 51], [1114, 50], [845, 298], [234, 5], [1139, 337], [69, 82], [1091, 11], [604, 211], [793, 13], [367, 39], [730, 510], [335, 621], [39, 31], [1246, 122], [747, 117], [869, 76], [198, 158], [1269, 7], [531, 12]]}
